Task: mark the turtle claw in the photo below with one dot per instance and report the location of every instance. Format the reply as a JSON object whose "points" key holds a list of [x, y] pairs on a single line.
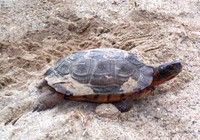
{"points": [[34, 109], [39, 107]]}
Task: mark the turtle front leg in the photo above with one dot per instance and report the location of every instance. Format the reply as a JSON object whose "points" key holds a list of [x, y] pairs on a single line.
{"points": [[48, 101], [125, 105]]}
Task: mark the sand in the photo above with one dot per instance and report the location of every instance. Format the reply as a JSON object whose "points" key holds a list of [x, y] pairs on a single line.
{"points": [[35, 34]]}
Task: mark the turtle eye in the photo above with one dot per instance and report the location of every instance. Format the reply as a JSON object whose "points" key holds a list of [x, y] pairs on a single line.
{"points": [[171, 67]]}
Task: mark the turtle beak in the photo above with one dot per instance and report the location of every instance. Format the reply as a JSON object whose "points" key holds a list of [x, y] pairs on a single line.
{"points": [[175, 67]]}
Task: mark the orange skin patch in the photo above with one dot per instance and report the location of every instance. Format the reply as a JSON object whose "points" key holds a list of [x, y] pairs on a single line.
{"points": [[160, 81], [145, 93]]}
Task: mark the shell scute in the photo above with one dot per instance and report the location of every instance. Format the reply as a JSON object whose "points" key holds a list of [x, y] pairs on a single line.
{"points": [[80, 70], [62, 68]]}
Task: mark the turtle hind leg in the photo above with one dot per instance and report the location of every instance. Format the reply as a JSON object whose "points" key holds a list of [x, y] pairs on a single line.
{"points": [[48, 101], [125, 105]]}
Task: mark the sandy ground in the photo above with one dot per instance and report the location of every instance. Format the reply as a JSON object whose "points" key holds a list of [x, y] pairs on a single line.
{"points": [[35, 34]]}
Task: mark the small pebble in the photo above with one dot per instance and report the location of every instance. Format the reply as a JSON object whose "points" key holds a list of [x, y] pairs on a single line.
{"points": [[108, 111]]}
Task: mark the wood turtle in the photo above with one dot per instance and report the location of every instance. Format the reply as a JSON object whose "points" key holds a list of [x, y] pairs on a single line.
{"points": [[104, 75]]}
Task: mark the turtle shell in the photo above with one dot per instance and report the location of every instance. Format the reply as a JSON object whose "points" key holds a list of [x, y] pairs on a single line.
{"points": [[99, 71]]}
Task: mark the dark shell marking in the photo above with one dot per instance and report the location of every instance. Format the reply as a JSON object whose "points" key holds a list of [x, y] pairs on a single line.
{"points": [[111, 74]]}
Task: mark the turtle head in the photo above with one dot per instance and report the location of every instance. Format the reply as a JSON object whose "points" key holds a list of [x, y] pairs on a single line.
{"points": [[166, 72]]}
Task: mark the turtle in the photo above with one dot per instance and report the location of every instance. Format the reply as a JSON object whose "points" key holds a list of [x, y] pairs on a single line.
{"points": [[103, 75]]}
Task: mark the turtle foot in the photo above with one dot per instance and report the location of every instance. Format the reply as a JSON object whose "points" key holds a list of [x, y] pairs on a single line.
{"points": [[48, 101], [125, 105], [40, 107]]}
